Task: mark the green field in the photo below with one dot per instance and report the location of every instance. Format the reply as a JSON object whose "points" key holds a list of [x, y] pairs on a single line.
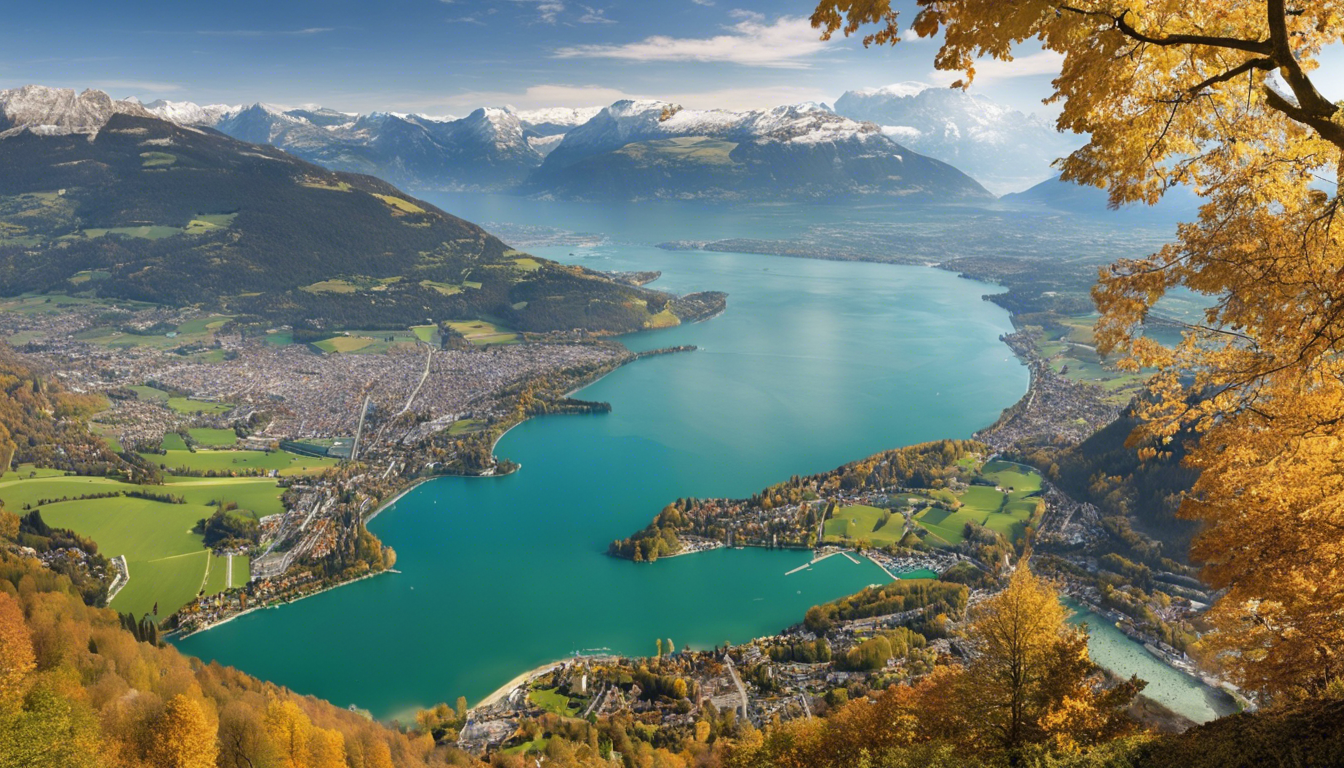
{"points": [[166, 560], [375, 342], [236, 461], [218, 580], [179, 404], [482, 332], [1018, 478], [664, 319], [212, 438], [862, 522], [203, 324], [1007, 513], [157, 159], [463, 426], [150, 393], [405, 206], [187, 405], [552, 700], [1070, 347], [205, 223], [343, 344], [173, 442]]}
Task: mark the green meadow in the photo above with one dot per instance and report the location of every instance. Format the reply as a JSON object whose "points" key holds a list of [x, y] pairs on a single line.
{"points": [[1006, 511], [167, 561], [1005, 507], [552, 700], [213, 438], [864, 522], [238, 461], [481, 332]]}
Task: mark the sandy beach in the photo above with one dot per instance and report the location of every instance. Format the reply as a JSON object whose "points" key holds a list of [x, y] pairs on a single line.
{"points": [[508, 687]]}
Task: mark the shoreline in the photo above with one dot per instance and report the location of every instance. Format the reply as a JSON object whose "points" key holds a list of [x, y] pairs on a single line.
{"points": [[503, 691], [414, 484], [526, 676], [242, 613]]}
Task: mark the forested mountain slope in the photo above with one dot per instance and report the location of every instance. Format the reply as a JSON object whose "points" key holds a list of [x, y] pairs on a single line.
{"points": [[145, 209]]}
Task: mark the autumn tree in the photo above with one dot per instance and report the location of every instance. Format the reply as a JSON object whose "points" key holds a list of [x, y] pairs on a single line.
{"points": [[1030, 680], [1221, 97], [183, 737], [16, 652], [289, 731], [39, 728], [326, 749]]}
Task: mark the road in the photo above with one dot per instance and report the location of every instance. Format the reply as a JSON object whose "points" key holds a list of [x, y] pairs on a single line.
{"points": [[429, 357], [741, 689]]}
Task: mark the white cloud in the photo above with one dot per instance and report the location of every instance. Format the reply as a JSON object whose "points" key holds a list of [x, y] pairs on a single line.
{"points": [[739, 99], [751, 42], [137, 86], [703, 2], [560, 95], [534, 97], [547, 10], [264, 32], [594, 16], [990, 70]]}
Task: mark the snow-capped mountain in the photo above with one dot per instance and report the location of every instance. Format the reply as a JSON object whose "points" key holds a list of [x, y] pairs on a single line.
{"points": [[59, 111], [187, 113], [488, 149], [546, 128], [1003, 149], [484, 150], [655, 149], [550, 122], [629, 150]]}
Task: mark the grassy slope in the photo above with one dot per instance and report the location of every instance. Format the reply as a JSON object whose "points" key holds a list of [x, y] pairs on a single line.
{"points": [[166, 560]]}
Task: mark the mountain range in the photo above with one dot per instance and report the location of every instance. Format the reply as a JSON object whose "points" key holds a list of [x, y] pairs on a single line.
{"points": [[1005, 150], [636, 150], [488, 149], [104, 198], [907, 141], [1054, 194], [630, 150]]}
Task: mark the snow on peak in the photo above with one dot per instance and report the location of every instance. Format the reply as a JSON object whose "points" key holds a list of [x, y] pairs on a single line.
{"points": [[56, 111], [558, 116], [189, 113], [899, 90]]}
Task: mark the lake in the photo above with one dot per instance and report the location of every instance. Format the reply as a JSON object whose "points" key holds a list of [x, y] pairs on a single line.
{"points": [[812, 365]]}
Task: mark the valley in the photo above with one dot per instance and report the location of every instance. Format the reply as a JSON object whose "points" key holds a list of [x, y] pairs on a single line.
{"points": [[807, 384]]}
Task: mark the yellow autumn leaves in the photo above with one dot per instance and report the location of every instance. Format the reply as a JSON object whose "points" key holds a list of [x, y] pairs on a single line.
{"points": [[1218, 96]]}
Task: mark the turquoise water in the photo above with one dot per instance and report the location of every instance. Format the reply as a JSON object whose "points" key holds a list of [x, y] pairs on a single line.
{"points": [[813, 364], [1179, 692]]}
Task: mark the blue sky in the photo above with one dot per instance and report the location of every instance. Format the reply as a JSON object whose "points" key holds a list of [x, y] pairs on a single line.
{"points": [[449, 56]]}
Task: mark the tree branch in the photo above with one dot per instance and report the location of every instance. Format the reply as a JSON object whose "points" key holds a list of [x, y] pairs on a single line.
{"points": [[1266, 64], [1263, 47]]}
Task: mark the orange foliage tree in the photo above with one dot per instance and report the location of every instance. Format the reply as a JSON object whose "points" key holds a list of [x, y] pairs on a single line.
{"points": [[1219, 96]]}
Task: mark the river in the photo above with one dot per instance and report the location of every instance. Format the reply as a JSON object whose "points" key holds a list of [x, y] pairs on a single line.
{"points": [[1177, 691], [813, 364]]}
